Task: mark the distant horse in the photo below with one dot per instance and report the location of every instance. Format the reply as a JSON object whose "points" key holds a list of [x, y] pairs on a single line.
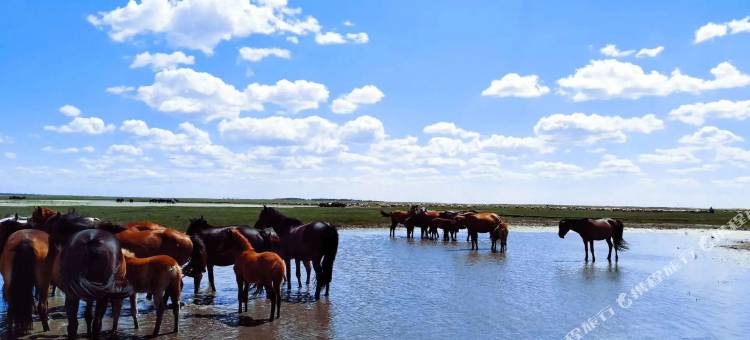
{"points": [[90, 267], [211, 247], [265, 269], [484, 223], [397, 217], [608, 229], [317, 242], [26, 263], [158, 275], [422, 218]]}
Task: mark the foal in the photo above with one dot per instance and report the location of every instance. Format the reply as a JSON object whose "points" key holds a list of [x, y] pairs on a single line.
{"points": [[158, 275], [265, 269]]}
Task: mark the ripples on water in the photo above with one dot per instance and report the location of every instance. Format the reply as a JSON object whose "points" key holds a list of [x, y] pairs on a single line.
{"points": [[399, 289]]}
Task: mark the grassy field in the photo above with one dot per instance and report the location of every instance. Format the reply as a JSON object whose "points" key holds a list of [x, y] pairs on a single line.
{"points": [[177, 216]]}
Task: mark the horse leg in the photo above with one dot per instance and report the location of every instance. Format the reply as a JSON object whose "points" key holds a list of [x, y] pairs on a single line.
{"points": [[617, 258], [211, 277], [307, 271], [609, 243], [41, 307], [593, 257], [586, 247], [240, 292], [197, 281], [159, 304], [175, 294], [288, 263], [116, 307], [134, 310], [318, 275], [71, 310], [88, 315], [299, 274], [101, 307], [272, 294], [245, 294]]}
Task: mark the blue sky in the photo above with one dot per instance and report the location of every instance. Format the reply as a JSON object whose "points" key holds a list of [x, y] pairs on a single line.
{"points": [[492, 102]]}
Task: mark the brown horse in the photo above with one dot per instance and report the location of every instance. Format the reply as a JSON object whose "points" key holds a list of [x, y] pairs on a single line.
{"points": [[317, 242], [144, 225], [40, 215], [422, 218], [264, 269], [483, 223], [158, 275], [590, 229], [146, 239], [449, 226], [26, 263], [397, 217], [500, 233]]}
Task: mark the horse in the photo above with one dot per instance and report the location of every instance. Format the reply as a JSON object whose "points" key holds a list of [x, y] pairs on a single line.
{"points": [[25, 264], [449, 226], [8, 226], [397, 217], [265, 269], [40, 215], [90, 266], [158, 275], [211, 247], [590, 229], [146, 239], [483, 223], [317, 242], [421, 218], [500, 233], [144, 225]]}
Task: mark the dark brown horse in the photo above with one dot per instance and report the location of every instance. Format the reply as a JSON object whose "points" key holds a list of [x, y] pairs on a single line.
{"points": [[449, 226], [422, 218], [590, 229], [397, 217], [212, 246], [317, 242], [90, 267]]}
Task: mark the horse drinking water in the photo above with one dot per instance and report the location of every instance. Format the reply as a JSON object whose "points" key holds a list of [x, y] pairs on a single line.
{"points": [[590, 229]]}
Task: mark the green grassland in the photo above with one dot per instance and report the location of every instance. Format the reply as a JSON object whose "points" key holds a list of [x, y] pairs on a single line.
{"points": [[369, 216]]}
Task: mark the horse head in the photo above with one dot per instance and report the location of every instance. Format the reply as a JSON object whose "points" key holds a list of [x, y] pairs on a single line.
{"points": [[60, 227], [196, 225], [565, 226]]}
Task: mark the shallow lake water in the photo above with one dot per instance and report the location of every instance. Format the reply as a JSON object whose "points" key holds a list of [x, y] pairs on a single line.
{"points": [[404, 289]]}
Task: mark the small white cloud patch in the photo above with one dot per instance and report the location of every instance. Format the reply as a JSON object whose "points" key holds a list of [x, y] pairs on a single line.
{"points": [[515, 85]]}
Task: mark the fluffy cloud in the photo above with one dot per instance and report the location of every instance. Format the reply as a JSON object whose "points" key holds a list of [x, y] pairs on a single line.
{"points": [[125, 149], [201, 94], [258, 54], [555, 169], [334, 38], [449, 129], [119, 90], [670, 156], [611, 50], [348, 103], [515, 85], [160, 61], [70, 110], [590, 129], [649, 52], [710, 137], [202, 24], [86, 125], [696, 114], [712, 30], [51, 149], [606, 79]]}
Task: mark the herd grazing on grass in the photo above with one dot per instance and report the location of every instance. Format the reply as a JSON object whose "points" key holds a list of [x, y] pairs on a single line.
{"points": [[103, 263]]}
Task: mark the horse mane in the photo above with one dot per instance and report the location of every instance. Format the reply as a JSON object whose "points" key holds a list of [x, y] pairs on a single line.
{"points": [[276, 213], [244, 243]]}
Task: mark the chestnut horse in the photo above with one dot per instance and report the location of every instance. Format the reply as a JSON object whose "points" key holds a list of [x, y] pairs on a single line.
{"points": [[484, 223], [158, 275], [211, 247], [317, 242], [40, 215], [265, 269], [90, 267], [449, 226], [590, 229], [146, 239], [26, 263], [397, 217], [421, 218]]}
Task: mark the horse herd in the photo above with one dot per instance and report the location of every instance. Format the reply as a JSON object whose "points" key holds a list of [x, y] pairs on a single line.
{"points": [[429, 222], [103, 263]]}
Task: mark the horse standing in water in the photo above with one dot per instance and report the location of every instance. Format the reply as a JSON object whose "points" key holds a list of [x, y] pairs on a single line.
{"points": [[146, 239], [26, 263], [212, 247], [485, 223], [397, 217], [90, 267], [422, 218], [317, 242], [608, 229], [264, 269]]}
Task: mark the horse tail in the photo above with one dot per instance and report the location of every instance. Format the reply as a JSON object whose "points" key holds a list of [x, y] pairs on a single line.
{"points": [[385, 214], [198, 258], [244, 243], [21, 294], [620, 243], [329, 246]]}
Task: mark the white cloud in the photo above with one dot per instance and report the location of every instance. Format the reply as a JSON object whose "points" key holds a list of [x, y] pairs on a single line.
{"points": [[733, 155], [88, 125], [710, 137], [125, 149], [607, 79], [670, 156], [611, 50], [10, 155], [555, 169], [161, 61], [70, 110], [329, 38], [348, 23], [348, 103], [358, 38], [515, 85], [701, 168], [649, 52], [258, 54], [202, 94], [120, 89], [611, 164], [712, 30], [450, 129], [51, 149], [292, 39], [696, 114], [201, 25], [590, 129]]}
